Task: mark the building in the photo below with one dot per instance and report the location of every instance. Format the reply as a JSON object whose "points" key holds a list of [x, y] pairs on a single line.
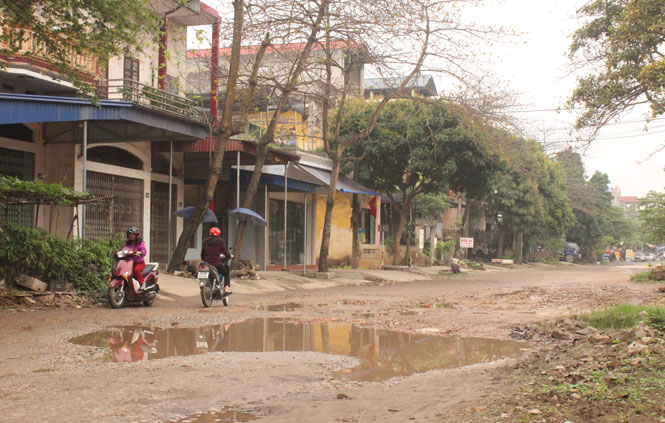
{"points": [[295, 181], [422, 86], [108, 148]]}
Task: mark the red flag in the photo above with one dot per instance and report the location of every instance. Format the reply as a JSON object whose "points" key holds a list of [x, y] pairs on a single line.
{"points": [[372, 207]]}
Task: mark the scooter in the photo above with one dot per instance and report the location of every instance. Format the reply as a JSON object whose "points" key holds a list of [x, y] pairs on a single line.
{"points": [[212, 283], [124, 289]]}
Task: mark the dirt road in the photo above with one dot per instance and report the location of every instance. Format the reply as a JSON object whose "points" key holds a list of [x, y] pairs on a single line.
{"points": [[381, 337]]}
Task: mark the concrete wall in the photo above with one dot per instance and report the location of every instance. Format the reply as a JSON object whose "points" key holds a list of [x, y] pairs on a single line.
{"points": [[341, 239], [60, 169]]}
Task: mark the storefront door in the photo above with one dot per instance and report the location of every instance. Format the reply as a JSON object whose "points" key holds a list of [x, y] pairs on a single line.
{"points": [[295, 233]]}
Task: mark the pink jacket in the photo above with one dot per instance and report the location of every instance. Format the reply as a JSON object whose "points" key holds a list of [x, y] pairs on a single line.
{"points": [[136, 247]]}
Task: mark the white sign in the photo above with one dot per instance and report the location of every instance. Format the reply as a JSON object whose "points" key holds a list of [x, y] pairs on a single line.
{"points": [[466, 242], [421, 238]]}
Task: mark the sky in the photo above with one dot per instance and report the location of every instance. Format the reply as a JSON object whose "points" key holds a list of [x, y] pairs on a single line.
{"points": [[535, 66], [537, 69]]}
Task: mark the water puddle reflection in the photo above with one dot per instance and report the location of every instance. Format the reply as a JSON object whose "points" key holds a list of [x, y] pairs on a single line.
{"points": [[224, 416], [282, 307], [383, 353]]}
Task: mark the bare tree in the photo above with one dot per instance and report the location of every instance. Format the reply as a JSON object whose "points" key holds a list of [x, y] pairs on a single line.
{"points": [[223, 129], [403, 37]]}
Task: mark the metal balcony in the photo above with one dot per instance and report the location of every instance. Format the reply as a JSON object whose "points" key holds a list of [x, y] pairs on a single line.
{"points": [[151, 98]]}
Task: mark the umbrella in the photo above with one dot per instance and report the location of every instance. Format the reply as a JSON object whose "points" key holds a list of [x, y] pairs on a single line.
{"points": [[208, 217], [249, 216]]}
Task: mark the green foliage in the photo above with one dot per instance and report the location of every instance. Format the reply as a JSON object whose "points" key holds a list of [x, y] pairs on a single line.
{"points": [[14, 189], [35, 252], [530, 194], [417, 149], [641, 276], [444, 247], [622, 41], [652, 215], [598, 223], [63, 28], [625, 316], [431, 206]]}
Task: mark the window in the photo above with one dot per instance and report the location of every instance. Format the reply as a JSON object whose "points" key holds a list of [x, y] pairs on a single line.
{"points": [[172, 85], [131, 69]]}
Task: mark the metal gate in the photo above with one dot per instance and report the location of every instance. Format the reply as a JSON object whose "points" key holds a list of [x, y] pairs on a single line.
{"points": [[19, 164], [159, 220], [107, 221]]}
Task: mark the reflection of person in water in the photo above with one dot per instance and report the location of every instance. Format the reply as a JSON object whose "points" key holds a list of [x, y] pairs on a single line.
{"points": [[131, 346]]}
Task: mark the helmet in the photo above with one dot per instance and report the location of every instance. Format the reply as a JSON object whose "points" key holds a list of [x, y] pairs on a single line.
{"points": [[214, 231], [134, 230]]}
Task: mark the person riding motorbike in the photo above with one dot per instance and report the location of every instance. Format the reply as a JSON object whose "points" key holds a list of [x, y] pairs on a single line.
{"points": [[213, 246], [135, 243]]}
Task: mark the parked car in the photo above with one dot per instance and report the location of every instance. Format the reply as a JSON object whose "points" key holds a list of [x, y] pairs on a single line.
{"points": [[650, 257], [639, 256], [571, 252]]}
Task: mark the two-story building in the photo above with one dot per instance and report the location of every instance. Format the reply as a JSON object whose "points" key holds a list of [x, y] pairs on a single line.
{"points": [[107, 147]]}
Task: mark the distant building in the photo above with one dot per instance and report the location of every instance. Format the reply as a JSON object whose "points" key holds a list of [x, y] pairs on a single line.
{"points": [[628, 204], [421, 86]]}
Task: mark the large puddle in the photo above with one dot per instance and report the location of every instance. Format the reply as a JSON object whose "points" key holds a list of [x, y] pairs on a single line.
{"points": [[383, 353]]}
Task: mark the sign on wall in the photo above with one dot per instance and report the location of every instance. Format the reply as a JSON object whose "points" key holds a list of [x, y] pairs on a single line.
{"points": [[466, 242]]}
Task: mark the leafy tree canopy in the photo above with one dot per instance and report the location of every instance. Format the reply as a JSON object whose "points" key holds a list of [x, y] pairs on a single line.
{"points": [[416, 149], [530, 193], [64, 28], [624, 42], [652, 215]]}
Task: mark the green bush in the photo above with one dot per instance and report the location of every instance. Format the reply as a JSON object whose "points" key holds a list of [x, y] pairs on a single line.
{"points": [[35, 252]]}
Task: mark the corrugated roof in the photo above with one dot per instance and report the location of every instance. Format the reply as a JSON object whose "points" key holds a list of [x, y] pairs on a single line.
{"points": [[421, 81]]}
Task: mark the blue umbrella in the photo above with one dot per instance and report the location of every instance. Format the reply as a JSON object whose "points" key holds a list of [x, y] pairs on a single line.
{"points": [[208, 217], [249, 216]]}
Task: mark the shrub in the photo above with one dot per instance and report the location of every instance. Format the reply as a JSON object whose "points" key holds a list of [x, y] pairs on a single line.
{"points": [[625, 316], [37, 253]]}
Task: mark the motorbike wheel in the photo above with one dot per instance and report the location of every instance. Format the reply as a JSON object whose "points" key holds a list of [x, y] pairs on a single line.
{"points": [[150, 300], [206, 294], [116, 297], [225, 301]]}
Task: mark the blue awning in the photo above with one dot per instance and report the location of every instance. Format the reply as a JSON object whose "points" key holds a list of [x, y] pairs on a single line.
{"points": [[108, 120], [344, 183], [266, 179]]}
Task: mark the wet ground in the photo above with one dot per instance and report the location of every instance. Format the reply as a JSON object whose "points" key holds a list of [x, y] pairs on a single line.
{"points": [[388, 352]]}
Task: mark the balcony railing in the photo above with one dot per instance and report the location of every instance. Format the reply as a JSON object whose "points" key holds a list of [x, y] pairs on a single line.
{"points": [[23, 42], [151, 97]]}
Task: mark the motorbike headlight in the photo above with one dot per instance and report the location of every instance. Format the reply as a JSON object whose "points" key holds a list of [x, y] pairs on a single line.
{"points": [[121, 254]]}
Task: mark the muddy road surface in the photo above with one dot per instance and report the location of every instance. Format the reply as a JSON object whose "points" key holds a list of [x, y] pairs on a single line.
{"points": [[382, 351]]}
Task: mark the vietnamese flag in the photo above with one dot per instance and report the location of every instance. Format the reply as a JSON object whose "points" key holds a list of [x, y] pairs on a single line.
{"points": [[372, 207]]}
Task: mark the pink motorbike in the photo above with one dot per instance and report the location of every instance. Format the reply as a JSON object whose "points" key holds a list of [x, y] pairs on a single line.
{"points": [[124, 289]]}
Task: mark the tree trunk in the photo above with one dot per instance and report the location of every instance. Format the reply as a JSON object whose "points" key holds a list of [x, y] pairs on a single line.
{"points": [[226, 131], [520, 247], [327, 222], [261, 154], [191, 224], [465, 224], [499, 249], [432, 247], [398, 236], [355, 225]]}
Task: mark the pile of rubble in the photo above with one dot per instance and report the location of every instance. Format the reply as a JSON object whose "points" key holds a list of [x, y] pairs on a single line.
{"points": [[37, 294]]}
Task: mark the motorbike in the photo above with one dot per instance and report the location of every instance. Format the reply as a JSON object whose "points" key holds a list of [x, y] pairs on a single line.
{"points": [[454, 266], [211, 283], [124, 288]]}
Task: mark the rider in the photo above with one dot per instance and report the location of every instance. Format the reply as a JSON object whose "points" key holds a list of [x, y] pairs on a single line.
{"points": [[136, 244], [213, 246]]}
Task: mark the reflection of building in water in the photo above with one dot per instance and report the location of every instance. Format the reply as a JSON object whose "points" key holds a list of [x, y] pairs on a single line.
{"points": [[383, 353]]}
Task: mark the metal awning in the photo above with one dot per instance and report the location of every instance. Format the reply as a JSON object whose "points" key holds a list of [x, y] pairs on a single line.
{"points": [[344, 184], [108, 120]]}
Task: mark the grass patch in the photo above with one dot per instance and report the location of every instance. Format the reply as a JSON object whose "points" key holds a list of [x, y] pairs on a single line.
{"points": [[641, 277], [625, 316]]}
